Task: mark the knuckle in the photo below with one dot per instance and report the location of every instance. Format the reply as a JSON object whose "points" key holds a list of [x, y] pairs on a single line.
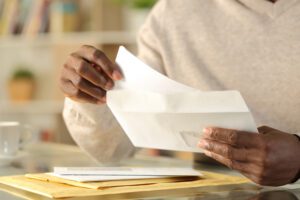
{"points": [[233, 137], [228, 152], [82, 67], [69, 60], [85, 46], [97, 54], [65, 65], [74, 92], [72, 55], [79, 81], [214, 133], [101, 94], [210, 146], [244, 153], [99, 81]]}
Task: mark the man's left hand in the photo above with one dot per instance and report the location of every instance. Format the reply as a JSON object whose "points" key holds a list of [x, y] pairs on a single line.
{"points": [[270, 157]]}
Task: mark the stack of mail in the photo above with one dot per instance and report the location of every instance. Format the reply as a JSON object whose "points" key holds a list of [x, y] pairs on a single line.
{"points": [[157, 112], [92, 174], [38, 186]]}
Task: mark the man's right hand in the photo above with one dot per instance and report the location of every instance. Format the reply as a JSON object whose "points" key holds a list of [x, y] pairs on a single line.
{"points": [[88, 74]]}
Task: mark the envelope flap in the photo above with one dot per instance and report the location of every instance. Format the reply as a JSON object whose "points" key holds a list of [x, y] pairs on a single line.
{"points": [[180, 102]]}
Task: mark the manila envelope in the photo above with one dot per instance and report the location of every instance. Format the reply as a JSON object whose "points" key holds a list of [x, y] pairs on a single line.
{"points": [[59, 190]]}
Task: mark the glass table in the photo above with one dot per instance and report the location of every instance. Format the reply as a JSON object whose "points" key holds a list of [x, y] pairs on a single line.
{"points": [[42, 157]]}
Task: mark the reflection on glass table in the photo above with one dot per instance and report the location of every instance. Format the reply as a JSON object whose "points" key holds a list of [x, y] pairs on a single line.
{"points": [[43, 157]]}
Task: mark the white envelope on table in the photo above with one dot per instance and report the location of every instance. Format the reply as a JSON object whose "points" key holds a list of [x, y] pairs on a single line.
{"points": [[157, 112]]}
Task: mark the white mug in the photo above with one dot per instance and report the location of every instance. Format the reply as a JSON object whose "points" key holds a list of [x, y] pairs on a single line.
{"points": [[12, 137]]}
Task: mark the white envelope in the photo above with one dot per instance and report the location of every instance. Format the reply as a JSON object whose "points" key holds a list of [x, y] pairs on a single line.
{"points": [[127, 171], [88, 174], [157, 112]]}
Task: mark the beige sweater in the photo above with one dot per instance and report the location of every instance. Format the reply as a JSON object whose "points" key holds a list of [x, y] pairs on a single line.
{"points": [[248, 45]]}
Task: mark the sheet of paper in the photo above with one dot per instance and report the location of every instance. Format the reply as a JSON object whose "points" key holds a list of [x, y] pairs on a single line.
{"points": [[125, 171], [139, 76], [157, 112]]}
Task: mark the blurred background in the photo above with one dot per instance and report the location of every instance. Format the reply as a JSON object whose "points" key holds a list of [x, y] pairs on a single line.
{"points": [[36, 37]]}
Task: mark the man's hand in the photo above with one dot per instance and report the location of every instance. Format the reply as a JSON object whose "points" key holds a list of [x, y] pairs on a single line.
{"points": [[87, 75], [269, 158]]}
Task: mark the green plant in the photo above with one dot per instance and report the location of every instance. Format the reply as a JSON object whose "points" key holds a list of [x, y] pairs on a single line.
{"points": [[143, 3], [138, 4], [22, 73]]}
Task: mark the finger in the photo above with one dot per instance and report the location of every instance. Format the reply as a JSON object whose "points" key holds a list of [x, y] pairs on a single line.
{"points": [[87, 71], [72, 92], [85, 86], [252, 155], [233, 164], [91, 90], [97, 67], [96, 56], [228, 151], [232, 137], [243, 167]]}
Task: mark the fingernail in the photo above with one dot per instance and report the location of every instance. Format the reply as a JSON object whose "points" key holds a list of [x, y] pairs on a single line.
{"points": [[103, 99], [206, 130], [109, 85], [117, 75], [208, 153], [203, 144]]}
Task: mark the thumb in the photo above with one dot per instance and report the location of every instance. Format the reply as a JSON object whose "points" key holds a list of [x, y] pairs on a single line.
{"points": [[265, 129]]}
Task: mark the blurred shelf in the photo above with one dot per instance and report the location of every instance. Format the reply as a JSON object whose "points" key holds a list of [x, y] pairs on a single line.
{"points": [[99, 37], [33, 107]]}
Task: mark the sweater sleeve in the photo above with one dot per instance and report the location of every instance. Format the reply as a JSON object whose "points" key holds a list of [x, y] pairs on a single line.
{"points": [[96, 131], [93, 127]]}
